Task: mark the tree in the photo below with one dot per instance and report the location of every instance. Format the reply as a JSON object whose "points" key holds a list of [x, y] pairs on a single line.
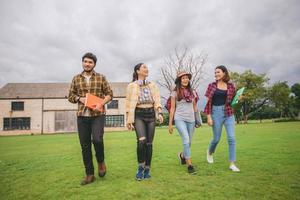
{"points": [[184, 60], [255, 95], [280, 95], [296, 90], [265, 112], [238, 112]]}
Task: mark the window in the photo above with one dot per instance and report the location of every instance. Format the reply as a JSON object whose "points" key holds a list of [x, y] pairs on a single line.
{"points": [[16, 123], [114, 121], [113, 104], [65, 121], [6, 124], [17, 105]]}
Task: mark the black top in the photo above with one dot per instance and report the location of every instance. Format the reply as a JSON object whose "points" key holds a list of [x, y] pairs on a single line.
{"points": [[219, 98]]}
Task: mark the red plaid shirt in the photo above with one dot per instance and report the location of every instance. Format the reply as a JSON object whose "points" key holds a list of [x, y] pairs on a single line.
{"points": [[210, 93]]}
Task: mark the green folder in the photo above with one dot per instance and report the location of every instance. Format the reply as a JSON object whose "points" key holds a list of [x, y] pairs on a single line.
{"points": [[235, 98]]}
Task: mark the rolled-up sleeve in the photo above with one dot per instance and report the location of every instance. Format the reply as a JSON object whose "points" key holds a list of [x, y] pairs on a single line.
{"points": [[127, 100], [208, 91], [156, 97], [208, 94], [107, 91], [72, 97], [131, 101]]}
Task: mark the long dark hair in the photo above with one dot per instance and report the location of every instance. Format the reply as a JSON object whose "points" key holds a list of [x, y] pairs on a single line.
{"points": [[179, 90], [135, 75], [226, 77]]}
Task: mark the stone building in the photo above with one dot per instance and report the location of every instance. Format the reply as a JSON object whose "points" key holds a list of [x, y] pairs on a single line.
{"points": [[43, 108]]}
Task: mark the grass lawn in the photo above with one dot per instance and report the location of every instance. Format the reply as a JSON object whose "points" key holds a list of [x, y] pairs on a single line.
{"points": [[50, 166]]}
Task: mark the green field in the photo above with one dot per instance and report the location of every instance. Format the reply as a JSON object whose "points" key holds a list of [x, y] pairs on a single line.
{"points": [[50, 166]]}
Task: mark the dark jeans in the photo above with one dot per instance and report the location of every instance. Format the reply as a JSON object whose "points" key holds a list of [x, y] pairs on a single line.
{"points": [[91, 129], [144, 124]]}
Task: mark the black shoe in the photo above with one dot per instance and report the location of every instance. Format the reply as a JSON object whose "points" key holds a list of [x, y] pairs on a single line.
{"points": [[191, 169], [181, 158]]}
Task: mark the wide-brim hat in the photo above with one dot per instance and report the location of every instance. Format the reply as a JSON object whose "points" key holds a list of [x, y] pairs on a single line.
{"points": [[180, 74]]}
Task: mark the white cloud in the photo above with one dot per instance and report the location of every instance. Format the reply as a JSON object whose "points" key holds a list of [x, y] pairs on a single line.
{"points": [[43, 41]]}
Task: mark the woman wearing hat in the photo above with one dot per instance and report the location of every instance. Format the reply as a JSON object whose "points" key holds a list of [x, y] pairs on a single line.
{"points": [[142, 102], [219, 96], [183, 106]]}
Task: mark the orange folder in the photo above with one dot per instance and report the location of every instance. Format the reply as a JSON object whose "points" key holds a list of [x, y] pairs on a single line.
{"points": [[91, 101]]}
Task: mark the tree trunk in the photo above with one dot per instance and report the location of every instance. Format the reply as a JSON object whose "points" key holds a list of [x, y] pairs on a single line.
{"points": [[237, 120], [245, 118]]}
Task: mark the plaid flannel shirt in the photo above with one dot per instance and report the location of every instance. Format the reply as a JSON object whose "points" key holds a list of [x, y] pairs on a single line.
{"points": [[132, 96], [98, 86], [210, 93]]}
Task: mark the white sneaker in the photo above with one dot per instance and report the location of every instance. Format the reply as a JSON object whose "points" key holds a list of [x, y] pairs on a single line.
{"points": [[210, 158], [234, 168]]}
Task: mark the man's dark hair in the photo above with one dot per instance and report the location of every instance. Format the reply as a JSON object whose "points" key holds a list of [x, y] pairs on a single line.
{"points": [[90, 56]]}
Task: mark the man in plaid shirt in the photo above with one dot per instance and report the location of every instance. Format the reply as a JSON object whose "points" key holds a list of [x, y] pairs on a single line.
{"points": [[90, 122]]}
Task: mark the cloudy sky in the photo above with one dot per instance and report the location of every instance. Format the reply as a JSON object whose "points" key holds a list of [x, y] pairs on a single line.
{"points": [[43, 41]]}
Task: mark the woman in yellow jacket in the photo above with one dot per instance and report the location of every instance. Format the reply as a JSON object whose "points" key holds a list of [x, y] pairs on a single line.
{"points": [[142, 107]]}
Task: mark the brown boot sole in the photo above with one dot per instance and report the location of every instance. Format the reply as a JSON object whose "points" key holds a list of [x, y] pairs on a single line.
{"points": [[85, 182], [102, 174]]}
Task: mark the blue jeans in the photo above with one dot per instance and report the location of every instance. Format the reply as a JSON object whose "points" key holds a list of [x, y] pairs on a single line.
{"points": [[219, 118], [186, 131]]}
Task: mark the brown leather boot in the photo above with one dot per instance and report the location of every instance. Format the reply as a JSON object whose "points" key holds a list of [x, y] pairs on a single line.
{"points": [[101, 169], [88, 179]]}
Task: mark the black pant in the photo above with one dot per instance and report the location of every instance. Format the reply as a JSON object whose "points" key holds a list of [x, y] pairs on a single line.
{"points": [[91, 129], [144, 124]]}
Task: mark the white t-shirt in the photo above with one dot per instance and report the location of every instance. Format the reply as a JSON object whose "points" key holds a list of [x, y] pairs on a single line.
{"points": [[87, 112]]}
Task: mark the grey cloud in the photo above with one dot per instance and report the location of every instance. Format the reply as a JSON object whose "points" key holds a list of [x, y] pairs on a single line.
{"points": [[43, 41]]}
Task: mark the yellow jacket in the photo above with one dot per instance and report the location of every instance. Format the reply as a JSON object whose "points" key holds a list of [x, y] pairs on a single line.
{"points": [[132, 96]]}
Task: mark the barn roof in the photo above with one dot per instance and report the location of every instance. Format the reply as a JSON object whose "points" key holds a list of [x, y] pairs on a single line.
{"points": [[49, 90]]}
